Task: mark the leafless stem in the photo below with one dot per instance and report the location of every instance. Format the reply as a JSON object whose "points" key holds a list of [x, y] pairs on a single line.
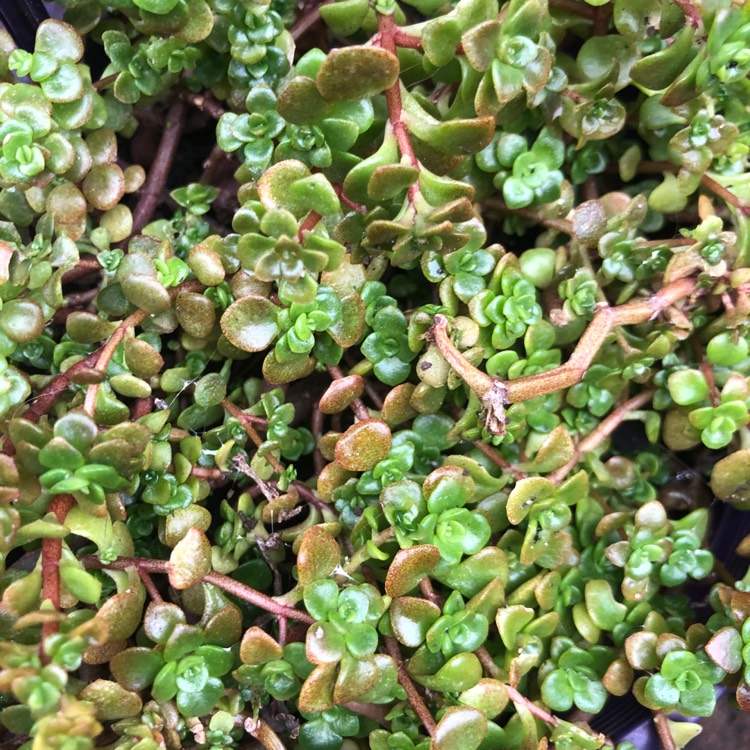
{"points": [[264, 734], [602, 431], [57, 386], [252, 433], [148, 582], [51, 556], [157, 176], [387, 40], [204, 102], [357, 406], [726, 195], [518, 700], [662, 730], [305, 22], [223, 582], [102, 83], [412, 694], [116, 338], [496, 394], [498, 460]]}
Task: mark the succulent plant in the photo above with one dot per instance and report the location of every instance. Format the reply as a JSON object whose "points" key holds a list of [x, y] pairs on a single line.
{"points": [[384, 405]]}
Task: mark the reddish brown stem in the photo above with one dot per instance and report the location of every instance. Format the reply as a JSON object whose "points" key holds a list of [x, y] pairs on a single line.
{"points": [[102, 83], [387, 40], [708, 373], [692, 14], [240, 590], [108, 352], [141, 407], [59, 384], [85, 266], [403, 39], [532, 708], [496, 394], [148, 582], [425, 586], [51, 556], [412, 694], [116, 338], [157, 176], [726, 195], [309, 223], [518, 700], [305, 22], [357, 406], [498, 460], [204, 102], [252, 433], [358, 207], [212, 475], [602, 431], [662, 731]]}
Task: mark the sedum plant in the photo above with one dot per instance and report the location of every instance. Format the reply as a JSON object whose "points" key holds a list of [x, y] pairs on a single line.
{"points": [[369, 370]]}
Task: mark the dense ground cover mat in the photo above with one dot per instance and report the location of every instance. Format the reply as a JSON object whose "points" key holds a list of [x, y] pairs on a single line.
{"points": [[373, 374]]}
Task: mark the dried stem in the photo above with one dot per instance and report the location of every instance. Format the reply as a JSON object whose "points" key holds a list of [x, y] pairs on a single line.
{"points": [[51, 556], [602, 431], [157, 176], [496, 394], [264, 734], [240, 590], [415, 699], [242, 465]]}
